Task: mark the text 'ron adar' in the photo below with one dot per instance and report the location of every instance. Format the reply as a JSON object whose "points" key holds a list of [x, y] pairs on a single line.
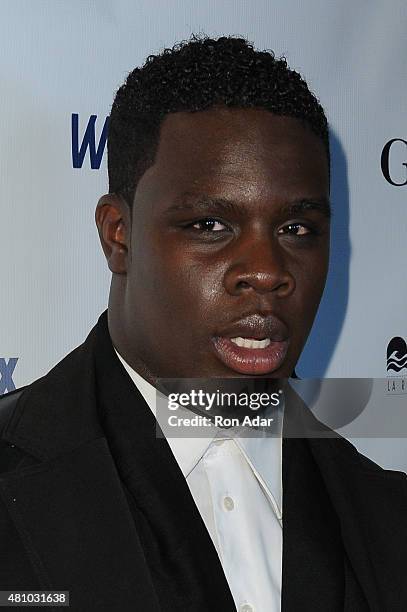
{"points": [[218, 421]]}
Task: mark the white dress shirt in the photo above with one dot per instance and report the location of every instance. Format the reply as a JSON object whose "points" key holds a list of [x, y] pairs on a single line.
{"points": [[236, 484]]}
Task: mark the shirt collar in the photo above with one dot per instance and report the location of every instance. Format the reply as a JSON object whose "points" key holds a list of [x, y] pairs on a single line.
{"points": [[187, 451], [264, 454]]}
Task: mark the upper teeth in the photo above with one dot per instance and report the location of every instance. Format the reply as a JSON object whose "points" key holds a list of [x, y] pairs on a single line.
{"points": [[251, 343]]}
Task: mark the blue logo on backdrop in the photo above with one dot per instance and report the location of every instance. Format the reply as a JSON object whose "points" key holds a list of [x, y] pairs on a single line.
{"points": [[88, 142], [6, 374]]}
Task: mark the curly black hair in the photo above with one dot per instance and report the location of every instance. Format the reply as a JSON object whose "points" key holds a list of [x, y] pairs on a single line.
{"points": [[193, 76]]}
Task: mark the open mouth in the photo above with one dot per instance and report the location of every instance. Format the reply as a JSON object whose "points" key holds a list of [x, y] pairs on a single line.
{"points": [[251, 356]]}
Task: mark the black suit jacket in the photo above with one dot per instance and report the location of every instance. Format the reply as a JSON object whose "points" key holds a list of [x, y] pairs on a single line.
{"points": [[92, 502]]}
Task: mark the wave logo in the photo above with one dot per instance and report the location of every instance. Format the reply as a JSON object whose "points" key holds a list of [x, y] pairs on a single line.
{"points": [[397, 355]]}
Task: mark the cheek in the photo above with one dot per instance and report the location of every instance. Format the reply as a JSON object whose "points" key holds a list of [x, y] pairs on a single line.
{"points": [[176, 279]]}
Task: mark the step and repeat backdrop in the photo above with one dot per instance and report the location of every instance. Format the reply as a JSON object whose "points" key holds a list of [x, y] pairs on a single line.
{"points": [[62, 61]]}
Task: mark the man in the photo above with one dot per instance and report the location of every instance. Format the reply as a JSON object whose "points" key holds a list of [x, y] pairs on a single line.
{"points": [[216, 230]]}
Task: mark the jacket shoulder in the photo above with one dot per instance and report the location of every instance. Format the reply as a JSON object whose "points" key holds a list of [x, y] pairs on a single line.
{"points": [[15, 569], [367, 464], [11, 457], [57, 412], [8, 402], [374, 469]]}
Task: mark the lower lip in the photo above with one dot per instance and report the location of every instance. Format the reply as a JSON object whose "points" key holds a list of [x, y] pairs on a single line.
{"points": [[251, 361]]}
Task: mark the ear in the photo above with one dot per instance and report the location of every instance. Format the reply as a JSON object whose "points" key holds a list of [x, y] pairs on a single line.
{"points": [[113, 221]]}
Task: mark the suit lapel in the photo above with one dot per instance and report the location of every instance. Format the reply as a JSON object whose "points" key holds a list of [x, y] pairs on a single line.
{"points": [[185, 567], [370, 505], [313, 575]]}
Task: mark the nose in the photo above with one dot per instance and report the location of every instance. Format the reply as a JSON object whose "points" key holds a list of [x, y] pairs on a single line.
{"points": [[259, 265]]}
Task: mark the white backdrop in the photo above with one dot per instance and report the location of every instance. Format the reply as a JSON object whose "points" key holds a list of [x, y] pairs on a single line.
{"points": [[64, 57]]}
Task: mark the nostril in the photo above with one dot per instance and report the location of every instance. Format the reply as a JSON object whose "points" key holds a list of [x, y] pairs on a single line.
{"points": [[243, 285]]}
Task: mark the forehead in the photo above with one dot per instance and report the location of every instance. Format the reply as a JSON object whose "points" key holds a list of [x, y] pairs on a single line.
{"points": [[239, 153]]}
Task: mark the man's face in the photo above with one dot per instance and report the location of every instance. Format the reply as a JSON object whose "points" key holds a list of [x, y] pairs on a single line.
{"points": [[229, 244]]}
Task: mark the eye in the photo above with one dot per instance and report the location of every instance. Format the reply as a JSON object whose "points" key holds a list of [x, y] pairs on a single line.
{"points": [[296, 229], [209, 225]]}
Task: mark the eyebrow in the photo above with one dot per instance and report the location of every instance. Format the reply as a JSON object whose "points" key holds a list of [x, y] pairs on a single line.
{"points": [[321, 205], [205, 204]]}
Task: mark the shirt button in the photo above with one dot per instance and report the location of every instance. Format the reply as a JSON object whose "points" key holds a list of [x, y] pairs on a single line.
{"points": [[246, 608], [229, 504]]}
